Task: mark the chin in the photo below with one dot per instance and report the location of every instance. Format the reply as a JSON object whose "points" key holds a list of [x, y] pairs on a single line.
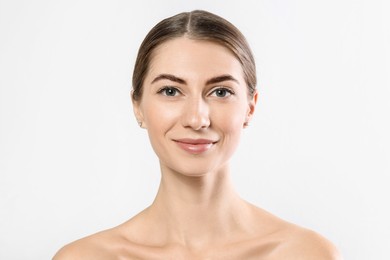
{"points": [[197, 169]]}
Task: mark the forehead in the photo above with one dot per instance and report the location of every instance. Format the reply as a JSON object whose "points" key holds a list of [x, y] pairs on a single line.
{"points": [[191, 58]]}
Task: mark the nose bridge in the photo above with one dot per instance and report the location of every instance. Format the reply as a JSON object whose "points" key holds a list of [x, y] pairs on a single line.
{"points": [[196, 114]]}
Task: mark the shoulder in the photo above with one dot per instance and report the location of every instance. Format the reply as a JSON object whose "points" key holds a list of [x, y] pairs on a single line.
{"points": [[301, 243], [94, 247], [285, 240], [110, 244]]}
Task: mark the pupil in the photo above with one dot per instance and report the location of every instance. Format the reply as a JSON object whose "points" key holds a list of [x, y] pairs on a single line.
{"points": [[170, 92], [220, 92]]}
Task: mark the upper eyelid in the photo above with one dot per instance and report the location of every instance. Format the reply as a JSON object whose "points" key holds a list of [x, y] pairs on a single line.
{"points": [[167, 86], [210, 91], [230, 90], [160, 90]]}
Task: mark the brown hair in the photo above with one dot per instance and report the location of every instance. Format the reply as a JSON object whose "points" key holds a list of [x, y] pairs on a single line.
{"points": [[199, 25]]}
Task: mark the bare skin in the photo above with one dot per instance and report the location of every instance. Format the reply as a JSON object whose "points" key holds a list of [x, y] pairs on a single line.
{"points": [[250, 233], [196, 213]]}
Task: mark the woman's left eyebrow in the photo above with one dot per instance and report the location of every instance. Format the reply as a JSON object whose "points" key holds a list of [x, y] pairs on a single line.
{"points": [[221, 78]]}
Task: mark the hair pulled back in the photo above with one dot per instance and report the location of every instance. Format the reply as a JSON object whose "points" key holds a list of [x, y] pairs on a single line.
{"points": [[198, 25]]}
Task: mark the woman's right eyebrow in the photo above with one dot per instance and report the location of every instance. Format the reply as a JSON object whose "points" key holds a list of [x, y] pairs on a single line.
{"points": [[169, 77]]}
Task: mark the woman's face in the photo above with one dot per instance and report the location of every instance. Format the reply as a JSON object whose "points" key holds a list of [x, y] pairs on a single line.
{"points": [[194, 105]]}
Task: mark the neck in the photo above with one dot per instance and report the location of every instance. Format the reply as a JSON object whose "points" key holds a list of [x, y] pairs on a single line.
{"points": [[199, 210]]}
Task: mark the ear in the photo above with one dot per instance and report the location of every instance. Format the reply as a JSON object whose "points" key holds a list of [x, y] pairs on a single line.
{"points": [[251, 107], [137, 110]]}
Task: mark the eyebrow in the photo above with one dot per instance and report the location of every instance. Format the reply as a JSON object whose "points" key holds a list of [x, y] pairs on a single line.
{"points": [[213, 80], [169, 77], [221, 79]]}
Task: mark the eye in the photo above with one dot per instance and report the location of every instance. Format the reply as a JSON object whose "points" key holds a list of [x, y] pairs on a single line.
{"points": [[222, 92], [169, 91]]}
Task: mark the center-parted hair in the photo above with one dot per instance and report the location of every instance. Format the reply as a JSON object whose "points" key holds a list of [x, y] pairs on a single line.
{"points": [[197, 25]]}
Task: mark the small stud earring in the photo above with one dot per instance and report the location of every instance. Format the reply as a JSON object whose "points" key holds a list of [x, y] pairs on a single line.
{"points": [[140, 123], [246, 124]]}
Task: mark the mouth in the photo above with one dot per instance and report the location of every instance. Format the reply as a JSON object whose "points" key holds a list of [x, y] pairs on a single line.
{"points": [[195, 146]]}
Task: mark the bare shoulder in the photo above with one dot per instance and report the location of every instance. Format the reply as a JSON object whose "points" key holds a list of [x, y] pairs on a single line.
{"points": [[110, 244], [289, 241], [97, 246], [302, 244]]}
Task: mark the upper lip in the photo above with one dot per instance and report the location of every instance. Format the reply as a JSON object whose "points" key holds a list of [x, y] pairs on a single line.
{"points": [[195, 141]]}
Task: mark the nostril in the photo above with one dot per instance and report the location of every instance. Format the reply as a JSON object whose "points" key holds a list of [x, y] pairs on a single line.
{"points": [[198, 123]]}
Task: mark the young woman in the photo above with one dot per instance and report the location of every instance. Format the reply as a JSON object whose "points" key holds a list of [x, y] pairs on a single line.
{"points": [[194, 92]]}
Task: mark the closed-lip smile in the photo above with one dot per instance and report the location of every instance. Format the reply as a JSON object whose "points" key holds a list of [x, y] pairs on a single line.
{"points": [[195, 146]]}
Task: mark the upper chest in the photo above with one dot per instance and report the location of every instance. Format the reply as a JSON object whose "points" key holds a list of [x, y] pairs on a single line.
{"points": [[251, 249]]}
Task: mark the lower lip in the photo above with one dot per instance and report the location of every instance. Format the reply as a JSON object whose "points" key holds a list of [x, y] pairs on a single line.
{"points": [[195, 148]]}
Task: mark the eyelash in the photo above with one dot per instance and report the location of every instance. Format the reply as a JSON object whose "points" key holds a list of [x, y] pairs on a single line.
{"points": [[229, 91], [164, 89]]}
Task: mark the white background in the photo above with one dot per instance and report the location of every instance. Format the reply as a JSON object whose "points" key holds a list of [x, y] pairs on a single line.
{"points": [[73, 160]]}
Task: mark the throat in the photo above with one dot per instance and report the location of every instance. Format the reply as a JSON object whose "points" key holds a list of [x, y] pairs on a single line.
{"points": [[197, 211]]}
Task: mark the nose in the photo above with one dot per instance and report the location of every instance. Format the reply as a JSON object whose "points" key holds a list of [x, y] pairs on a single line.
{"points": [[196, 114]]}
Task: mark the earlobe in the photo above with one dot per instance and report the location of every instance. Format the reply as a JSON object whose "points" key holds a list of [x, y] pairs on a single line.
{"points": [[137, 111]]}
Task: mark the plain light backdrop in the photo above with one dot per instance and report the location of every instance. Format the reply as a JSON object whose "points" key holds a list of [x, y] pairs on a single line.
{"points": [[73, 160]]}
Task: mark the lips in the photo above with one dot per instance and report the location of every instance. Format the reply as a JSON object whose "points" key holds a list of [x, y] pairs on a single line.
{"points": [[195, 146]]}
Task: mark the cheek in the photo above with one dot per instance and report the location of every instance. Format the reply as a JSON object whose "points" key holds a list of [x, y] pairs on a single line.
{"points": [[229, 119], [159, 119], [158, 115], [229, 124]]}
